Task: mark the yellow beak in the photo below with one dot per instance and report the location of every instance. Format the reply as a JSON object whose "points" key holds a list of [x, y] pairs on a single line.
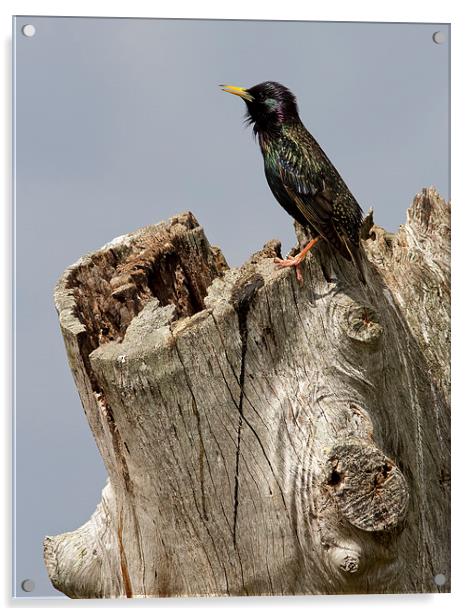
{"points": [[237, 91]]}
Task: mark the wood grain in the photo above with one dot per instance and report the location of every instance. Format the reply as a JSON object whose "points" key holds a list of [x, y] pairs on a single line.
{"points": [[262, 437]]}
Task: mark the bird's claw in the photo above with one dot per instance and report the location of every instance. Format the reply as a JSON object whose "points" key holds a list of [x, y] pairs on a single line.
{"points": [[291, 262]]}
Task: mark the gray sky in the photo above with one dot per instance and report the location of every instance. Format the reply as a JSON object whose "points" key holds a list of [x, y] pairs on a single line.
{"points": [[120, 124]]}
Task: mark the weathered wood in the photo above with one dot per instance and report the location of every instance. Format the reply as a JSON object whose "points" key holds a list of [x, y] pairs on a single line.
{"points": [[262, 437]]}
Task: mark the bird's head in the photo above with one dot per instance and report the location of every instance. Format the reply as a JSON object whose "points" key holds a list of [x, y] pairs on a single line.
{"points": [[269, 105]]}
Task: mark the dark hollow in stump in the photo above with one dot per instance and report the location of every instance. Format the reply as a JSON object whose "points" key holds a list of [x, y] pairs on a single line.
{"points": [[262, 437]]}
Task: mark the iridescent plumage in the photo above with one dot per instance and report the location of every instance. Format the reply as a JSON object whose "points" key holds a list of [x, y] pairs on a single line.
{"points": [[300, 175]]}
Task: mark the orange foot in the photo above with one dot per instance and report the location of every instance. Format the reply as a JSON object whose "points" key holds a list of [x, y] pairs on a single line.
{"points": [[297, 259]]}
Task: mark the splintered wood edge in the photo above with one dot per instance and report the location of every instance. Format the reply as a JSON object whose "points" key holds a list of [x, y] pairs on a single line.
{"points": [[104, 290]]}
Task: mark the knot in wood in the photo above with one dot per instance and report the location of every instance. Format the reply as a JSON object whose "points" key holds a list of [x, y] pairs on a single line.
{"points": [[345, 559], [367, 487], [361, 323]]}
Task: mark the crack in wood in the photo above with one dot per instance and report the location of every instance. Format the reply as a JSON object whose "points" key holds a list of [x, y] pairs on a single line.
{"points": [[123, 560], [201, 443], [201, 459], [242, 295]]}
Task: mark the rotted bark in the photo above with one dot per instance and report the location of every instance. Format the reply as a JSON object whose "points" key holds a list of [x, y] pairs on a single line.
{"points": [[262, 437]]}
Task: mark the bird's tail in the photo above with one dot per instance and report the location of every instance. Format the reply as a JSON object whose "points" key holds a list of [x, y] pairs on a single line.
{"points": [[358, 258]]}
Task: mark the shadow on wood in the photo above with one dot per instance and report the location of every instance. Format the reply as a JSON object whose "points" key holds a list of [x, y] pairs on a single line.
{"points": [[262, 437]]}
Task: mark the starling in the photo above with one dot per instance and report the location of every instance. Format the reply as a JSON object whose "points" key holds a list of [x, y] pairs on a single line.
{"points": [[300, 175]]}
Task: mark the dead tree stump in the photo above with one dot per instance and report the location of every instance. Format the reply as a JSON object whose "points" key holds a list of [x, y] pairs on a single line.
{"points": [[262, 437]]}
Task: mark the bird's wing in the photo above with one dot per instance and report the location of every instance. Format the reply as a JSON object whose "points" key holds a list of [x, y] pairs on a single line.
{"points": [[302, 172], [303, 182]]}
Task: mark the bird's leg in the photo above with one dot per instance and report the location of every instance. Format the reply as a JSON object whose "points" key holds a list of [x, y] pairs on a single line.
{"points": [[297, 259]]}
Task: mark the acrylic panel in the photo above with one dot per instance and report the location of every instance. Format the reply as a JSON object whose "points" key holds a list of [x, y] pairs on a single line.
{"points": [[245, 432]]}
